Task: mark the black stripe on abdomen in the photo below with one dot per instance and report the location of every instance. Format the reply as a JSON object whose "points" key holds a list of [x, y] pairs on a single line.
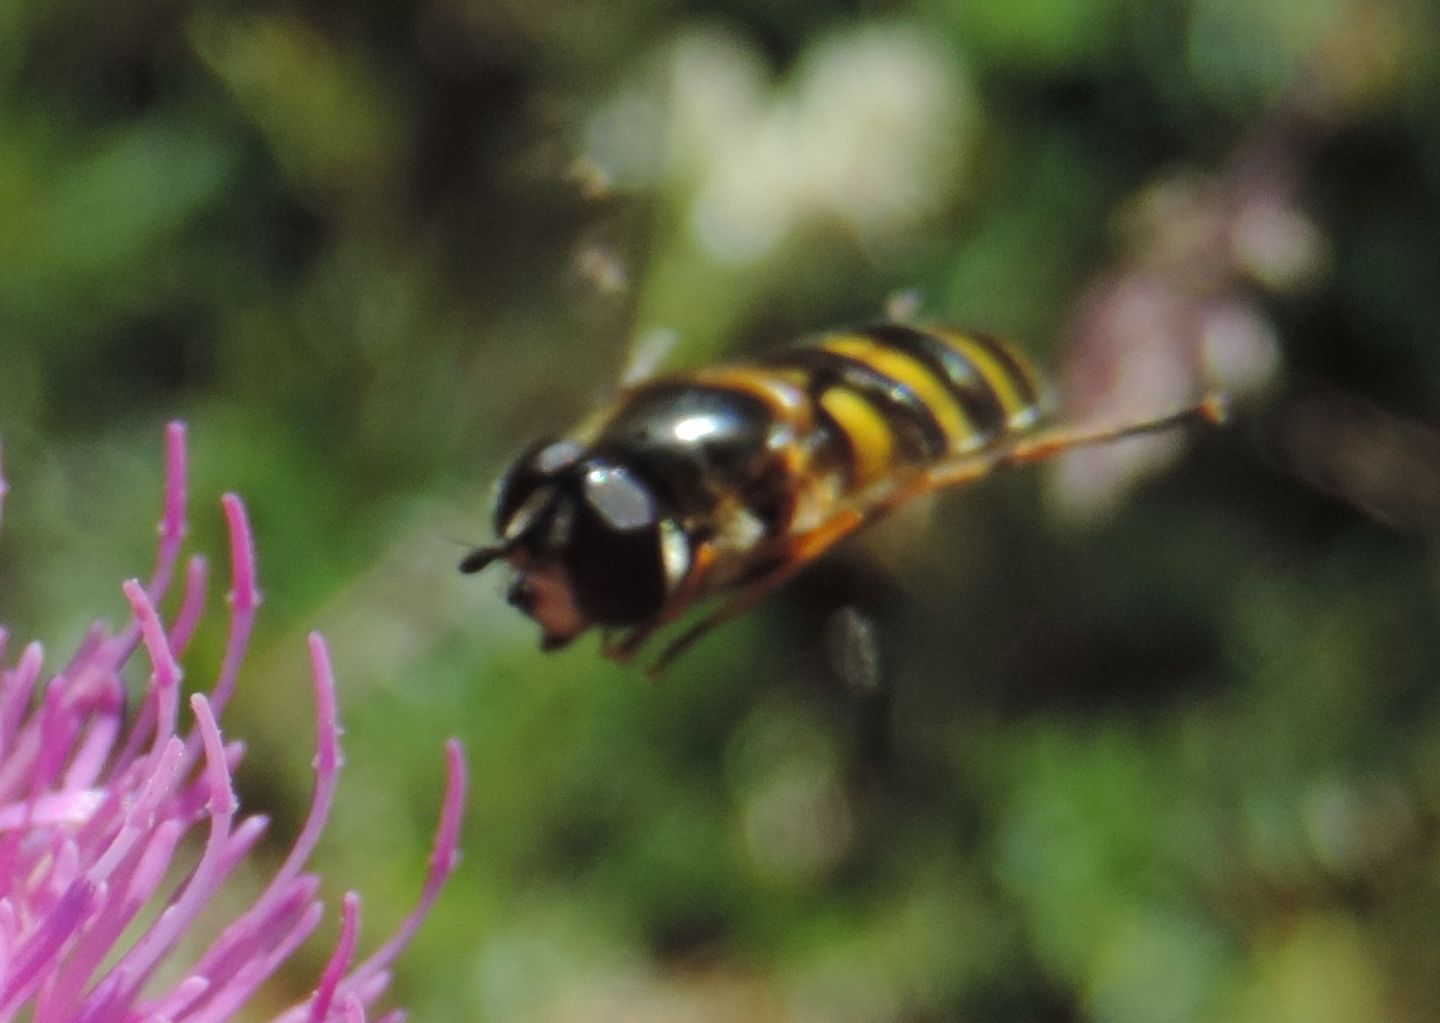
{"points": [[918, 434], [961, 377]]}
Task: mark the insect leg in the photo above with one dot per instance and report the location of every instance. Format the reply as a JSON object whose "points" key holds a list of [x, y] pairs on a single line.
{"points": [[801, 551], [1037, 447], [622, 649]]}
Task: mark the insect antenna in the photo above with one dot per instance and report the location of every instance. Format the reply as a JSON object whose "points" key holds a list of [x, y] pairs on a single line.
{"points": [[480, 558]]}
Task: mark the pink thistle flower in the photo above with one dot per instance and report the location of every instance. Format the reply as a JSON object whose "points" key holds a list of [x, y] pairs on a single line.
{"points": [[92, 812]]}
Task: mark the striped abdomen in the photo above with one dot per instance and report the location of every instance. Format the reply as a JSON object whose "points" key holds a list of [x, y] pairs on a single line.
{"points": [[890, 397]]}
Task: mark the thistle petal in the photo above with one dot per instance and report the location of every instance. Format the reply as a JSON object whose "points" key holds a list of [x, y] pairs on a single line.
{"points": [[95, 803]]}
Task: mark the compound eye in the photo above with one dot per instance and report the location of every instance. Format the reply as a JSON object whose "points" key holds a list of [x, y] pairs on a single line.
{"points": [[537, 466], [622, 502], [615, 556]]}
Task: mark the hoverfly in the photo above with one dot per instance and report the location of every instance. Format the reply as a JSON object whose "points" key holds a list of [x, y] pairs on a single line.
{"points": [[724, 483]]}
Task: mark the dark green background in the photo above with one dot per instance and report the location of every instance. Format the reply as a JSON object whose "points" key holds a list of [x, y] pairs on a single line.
{"points": [[1179, 761]]}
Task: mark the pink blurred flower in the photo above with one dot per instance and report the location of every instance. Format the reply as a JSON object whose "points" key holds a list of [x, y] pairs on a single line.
{"points": [[93, 810], [1182, 311]]}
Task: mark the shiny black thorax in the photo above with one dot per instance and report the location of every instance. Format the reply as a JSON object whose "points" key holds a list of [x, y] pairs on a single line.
{"points": [[704, 452]]}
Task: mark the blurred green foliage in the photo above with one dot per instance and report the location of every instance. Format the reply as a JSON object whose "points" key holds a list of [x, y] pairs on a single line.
{"points": [[1178, 763]]}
